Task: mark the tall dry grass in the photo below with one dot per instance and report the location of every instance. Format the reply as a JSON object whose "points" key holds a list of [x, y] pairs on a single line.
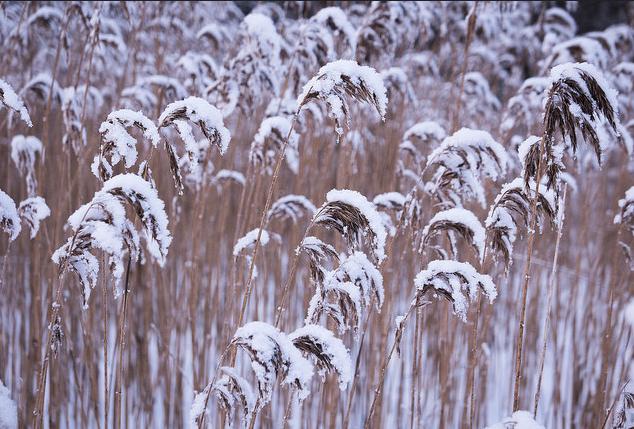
{"points": [[136, 357]]}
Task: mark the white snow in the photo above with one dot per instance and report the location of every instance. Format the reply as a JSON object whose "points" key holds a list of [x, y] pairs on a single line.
{"points": [[9, 98], [453, 273], [24, 152], [34, 210], [269, 346], [200, 112], [358, 269], [327, 85], [519, 420], [249, 239], [9, 220], [367, 209], [390, 200], [627, 206], [331, 346], [8, 409], [428, 131], [292, 207], [465, 217]]}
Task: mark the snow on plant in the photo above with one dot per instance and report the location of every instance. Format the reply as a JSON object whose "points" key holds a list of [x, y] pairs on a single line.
{"points": [[274, 355], [234, 394], [342, 78], [252, 73], [390, 201], [226, 176], [341, 302], [451, 279], [248, 240], [354, 217], [626, 207], [314, 47], [358, 270], [578, 99], [519, 420], [291, 207], [118, 145], [460, 162], [524, 110], [427, 134], [336, 20], [208, 119], [455, 221], [32, 211], [9, 219], [9, 98], [102, 224], [318, 252], [512, 208], [268, 142], [328, 351], [25, 150], [345, 292], [625, 218]]}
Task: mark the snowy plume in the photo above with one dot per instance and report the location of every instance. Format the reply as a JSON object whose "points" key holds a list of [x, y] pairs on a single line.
{"points": [[459, 163], [9, 98], [118, 145], [249, 239], [519, 420], [291, 207], [450, 279], [510, 209], [272, 355], [456, 221], [32, 211], [354, 217], [25, 151], [9, 220], [208, 119], [102, 224], [328, 351], [318, 252], [342, 78], [268, 142], [579, 99]]}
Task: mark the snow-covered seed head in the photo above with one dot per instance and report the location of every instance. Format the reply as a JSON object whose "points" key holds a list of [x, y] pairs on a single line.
{"points": [[272, 355], [32, 211], [450, 279], [340, 301], [9, 219], [118, 145], [460, 162], [268, 142], [340, 79], [318, 252], [354, 217], [291, 207], [328, 351], [455, 221], [234, 393], [208, 119], [579, 99], [9, 98], [510, 209], [25, 151], [103, 224]]}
